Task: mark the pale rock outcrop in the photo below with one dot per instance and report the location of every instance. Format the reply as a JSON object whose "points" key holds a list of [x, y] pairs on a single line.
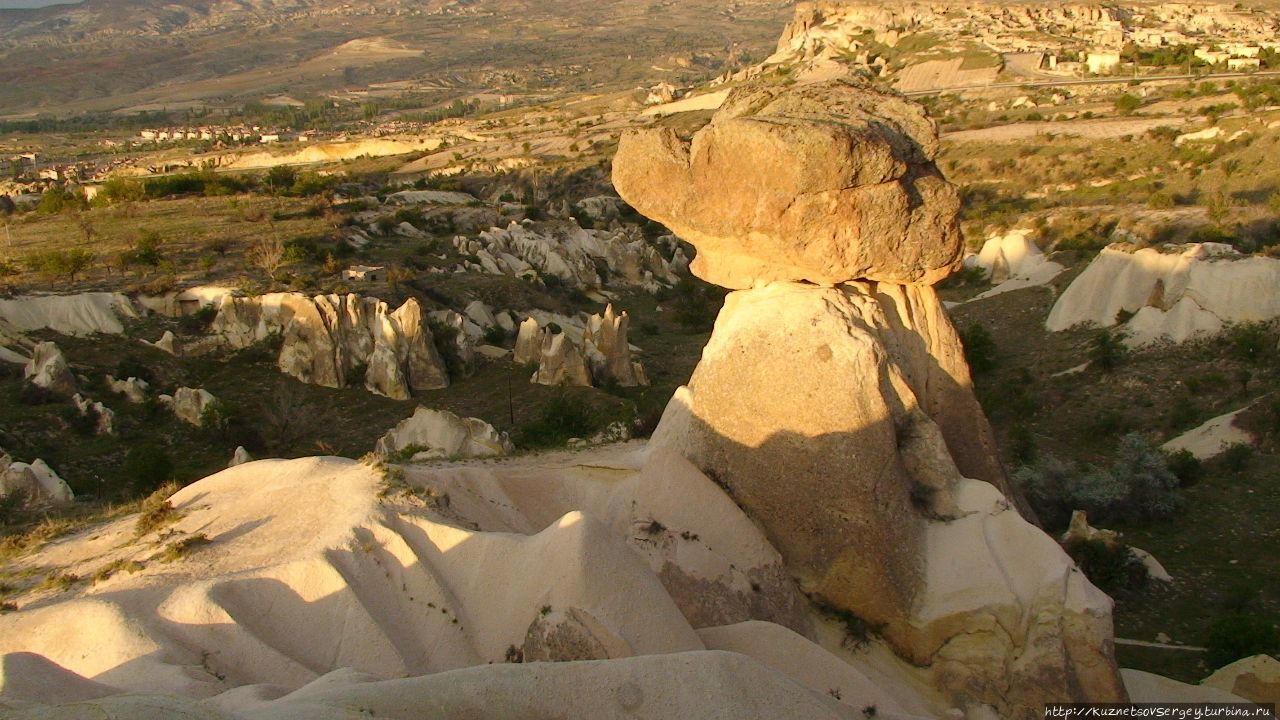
{"points": [[592, 354], [823, 183], [187, 301], [105, 415], [1255, 678], [37, 482], [239, 457], [1212, 437], [134, 389], [570, 254], [168, 343], [1173, 294], [79, 314], [480, 314], [1080, 529], [327, 338], [48, 369], [189, 404], [842, 418], [12, 356], [1145, 687], [437, 434], [466, 334], [1013, 261]]}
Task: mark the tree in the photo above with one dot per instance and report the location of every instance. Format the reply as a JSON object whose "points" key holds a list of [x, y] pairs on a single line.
{"points": [[267, 254]]}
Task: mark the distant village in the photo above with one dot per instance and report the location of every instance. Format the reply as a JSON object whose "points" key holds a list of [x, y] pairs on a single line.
{"points": [[1066, 40]]}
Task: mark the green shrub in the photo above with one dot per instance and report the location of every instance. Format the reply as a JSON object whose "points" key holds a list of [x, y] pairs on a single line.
{"points": [[1186, 466], [560, 419], [1236, 457], [1138, 486], [179, 549], [1109, 349], [1240, 635], [979, 348], [1112, 567], [148, 467]]}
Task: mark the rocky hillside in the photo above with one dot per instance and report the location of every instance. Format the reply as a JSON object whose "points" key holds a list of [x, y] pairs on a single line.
{"points": [[73, 57]]}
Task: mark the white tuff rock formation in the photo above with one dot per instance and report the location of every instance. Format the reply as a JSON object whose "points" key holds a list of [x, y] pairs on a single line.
{"points": [[435, 434], [105, 415], [593, 355], [239, 457], [842, 418], [326, 339], [37, 482], [189, 404], [1172, 294], [134, 389], [48, 369], [80, 314], [1013, 261]]}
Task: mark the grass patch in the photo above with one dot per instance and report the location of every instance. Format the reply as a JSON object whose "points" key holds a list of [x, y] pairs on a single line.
{"points": [[58, 581], [156, 511], [180, 549], [106, 571]]}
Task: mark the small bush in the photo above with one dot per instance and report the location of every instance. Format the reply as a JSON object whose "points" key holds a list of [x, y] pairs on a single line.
{"points": [[59, 581], [1112, 567], [560, 419], [1186, 466], [1250, 342], [148, 466], [1236, 457], [1240, 635], [1138, 486], [106, 571], [979, 348], [1108, 349]]}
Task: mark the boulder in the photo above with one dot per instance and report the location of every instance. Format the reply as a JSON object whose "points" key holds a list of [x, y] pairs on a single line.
{"points": [[189, 404], [104, 415], [239, 457], [48, 369], [1255, 678], [37, 482], [134, 389], [825, 183], [480, 314], [168, 343], [441, 434]]}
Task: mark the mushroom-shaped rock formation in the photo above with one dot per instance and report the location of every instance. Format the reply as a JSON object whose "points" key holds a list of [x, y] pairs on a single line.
{"points": [[841, 416], [823, 183]]}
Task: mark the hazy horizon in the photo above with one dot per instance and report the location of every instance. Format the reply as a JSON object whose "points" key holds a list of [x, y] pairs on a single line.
{"points": [[28, 4]]}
